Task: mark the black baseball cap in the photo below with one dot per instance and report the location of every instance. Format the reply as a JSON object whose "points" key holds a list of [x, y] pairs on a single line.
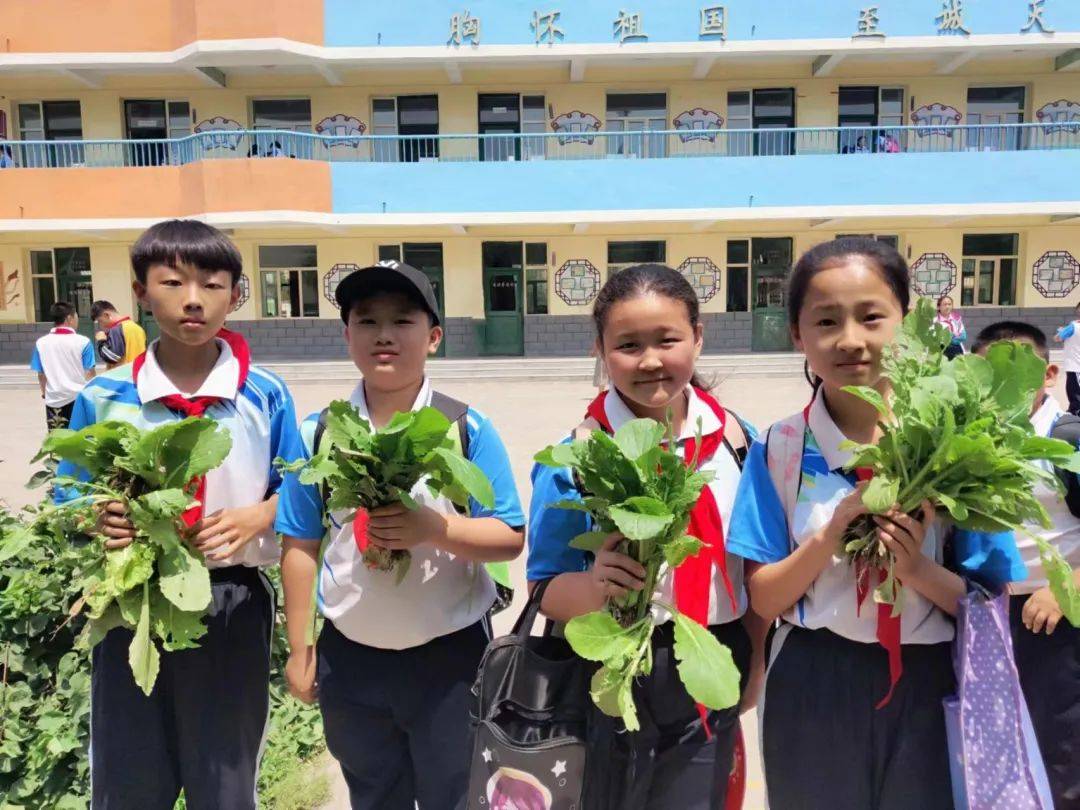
{"points": [[386, 276]]}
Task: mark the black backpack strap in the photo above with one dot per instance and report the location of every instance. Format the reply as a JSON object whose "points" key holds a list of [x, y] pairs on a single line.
{"points": [[740, 454], [1067, 428], [457, 412], [320, 430]]}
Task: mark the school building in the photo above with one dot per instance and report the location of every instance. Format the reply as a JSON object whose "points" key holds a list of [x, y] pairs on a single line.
{"points": [[520, 151]]}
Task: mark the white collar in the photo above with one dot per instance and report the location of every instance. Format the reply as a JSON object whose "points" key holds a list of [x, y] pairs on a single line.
{"points": [[827, 435], [222, 381], [618, 414], [359, 399], [1046, 415]]}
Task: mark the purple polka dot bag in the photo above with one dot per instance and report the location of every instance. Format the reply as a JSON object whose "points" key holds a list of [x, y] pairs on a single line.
{"points": [[994, 758]]}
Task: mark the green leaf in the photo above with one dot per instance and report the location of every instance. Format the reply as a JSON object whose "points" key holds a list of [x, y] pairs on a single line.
{"points": [[1061, 579], [880, 494], [184, 580], [640, 526], [143, 655], [870, 395], [15, 540], [467, 475], [597, 636], [129, 567], [173, 454], [559, 455], [680, 548], [705, 666], [589, 541], [638, 437]]}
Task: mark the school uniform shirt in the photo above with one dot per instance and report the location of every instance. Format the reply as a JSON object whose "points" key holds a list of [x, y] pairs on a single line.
{"points": [[1064, 533], [258, 414], [124, 341], [760, 532], [551, 528], [1071, 336], [442, 592], [63, 356]]}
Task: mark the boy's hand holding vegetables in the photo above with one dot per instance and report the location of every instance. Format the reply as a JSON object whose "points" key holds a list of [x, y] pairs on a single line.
{"points": [[113, 523], [223, 533]]}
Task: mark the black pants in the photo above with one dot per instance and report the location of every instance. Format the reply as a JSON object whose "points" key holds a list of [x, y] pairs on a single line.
{"points": [[825, 745], [1072, 391], [203, 726], [1049, 669], [671, 764], [398, 720], [58, 417], [954, 350]]}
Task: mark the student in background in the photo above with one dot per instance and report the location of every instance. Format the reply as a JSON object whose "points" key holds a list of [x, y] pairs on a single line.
{"points": [[951, 320], [64, 362], [119, 339], [1069, 334], [1046, 646]]}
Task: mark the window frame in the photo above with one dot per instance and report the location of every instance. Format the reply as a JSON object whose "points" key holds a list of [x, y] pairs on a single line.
{"points": [[995, 281], [745, 266], [615, 267], [301, 277], [533, 285]]}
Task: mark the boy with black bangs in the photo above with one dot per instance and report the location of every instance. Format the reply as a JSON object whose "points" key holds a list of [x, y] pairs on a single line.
{"points": [[202, 728]]}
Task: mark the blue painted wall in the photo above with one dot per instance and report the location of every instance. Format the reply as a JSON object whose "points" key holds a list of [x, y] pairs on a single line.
{"points": [[427, 22], [705, 182]]}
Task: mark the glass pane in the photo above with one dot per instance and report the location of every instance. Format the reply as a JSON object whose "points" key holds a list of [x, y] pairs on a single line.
{"points": [[774, 108], [41, 263], [1007, 283], [418, 115], [967, 284], [30, 120], [63, 120], [891, 241], [737, 288], [499, 108], [44, 297], [990, 244], [290, 292], [502, 292], [426, 256], [501, 254], [309, 280], [858, 106], [536, 253], [533, 109], [891, 106], [637, 105], [986, 281], [179, 114], [738, 104], [282, 113], [270, 295], [144, 118], [983, 100], [636, 252], [73, 262], [288, 256], [389, 253], [738, 251]]}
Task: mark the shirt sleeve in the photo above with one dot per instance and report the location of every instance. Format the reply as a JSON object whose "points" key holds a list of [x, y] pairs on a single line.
{"points": [[88, 359], [487, 451], [990, 558], [758, 530], [1067, 330], [551, 529], [35, 362], [83, 414], [112, 348], [284, 439], [300, 506]]}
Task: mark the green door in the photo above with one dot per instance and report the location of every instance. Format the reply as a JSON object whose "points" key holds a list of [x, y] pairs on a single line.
{"points": [[770, 267], [504, 321], [149, 324], [73, 284]]}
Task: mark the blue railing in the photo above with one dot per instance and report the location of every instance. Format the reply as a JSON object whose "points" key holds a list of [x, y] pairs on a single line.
{"points": [[579, 145]]}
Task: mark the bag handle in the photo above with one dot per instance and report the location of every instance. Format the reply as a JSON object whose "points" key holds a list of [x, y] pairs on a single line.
{"points": [[524, 624]]}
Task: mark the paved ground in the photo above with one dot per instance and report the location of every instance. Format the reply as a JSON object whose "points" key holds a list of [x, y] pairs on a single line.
{"points": [[529, 416]]}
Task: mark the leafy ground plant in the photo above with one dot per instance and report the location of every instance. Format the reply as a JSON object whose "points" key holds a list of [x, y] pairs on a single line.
{"points": [[957, 433], [360, 468], [156, 586], [641, 489]]}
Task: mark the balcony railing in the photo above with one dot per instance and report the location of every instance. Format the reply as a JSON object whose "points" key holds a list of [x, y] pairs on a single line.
{"points": [[579, 145]]}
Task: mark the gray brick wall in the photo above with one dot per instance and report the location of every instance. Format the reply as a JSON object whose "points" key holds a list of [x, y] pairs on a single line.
{"points": [[1049, 319], [293, 339], [558, 335], [462, 336], [17, 341], [727, 332]]}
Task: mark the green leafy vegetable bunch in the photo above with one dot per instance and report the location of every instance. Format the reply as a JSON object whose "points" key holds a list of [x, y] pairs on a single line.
{"points": [[956, 433], [636, 486], [362, 468]]}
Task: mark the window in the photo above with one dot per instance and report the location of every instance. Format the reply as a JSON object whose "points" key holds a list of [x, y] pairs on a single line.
{"points": [[155, 120], [292, 114], [533, 122], [864, 107], [995, 108], [50, 121], [892, 240], [637, 113], [290, 281], [406, 116], [389, 253], [536, 278], [43, 280], [510, 114], [738, 275], [61, 274], [989, 269], [621, 255], [427, 257], [762, 110]]}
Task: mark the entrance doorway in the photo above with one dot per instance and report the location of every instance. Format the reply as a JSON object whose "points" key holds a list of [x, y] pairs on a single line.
{"points": [[504, 299], [155, 120], [769, 270]]}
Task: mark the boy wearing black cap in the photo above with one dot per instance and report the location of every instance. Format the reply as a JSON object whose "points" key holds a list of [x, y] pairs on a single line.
{"points": [[396, 662]]}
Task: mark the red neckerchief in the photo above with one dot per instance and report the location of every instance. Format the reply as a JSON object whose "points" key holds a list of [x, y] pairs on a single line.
{"points": [[63, 330], [888, 626], [197, 406], [119, 321]]}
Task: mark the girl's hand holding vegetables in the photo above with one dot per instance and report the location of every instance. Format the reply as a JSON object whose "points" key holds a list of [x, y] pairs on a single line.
{"points": [[850, 508], [223, 533], [113, 524], [903, 536], [615, 574], [398, 528], [1041, 610]]}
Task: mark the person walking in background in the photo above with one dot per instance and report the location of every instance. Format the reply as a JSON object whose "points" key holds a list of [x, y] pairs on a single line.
{"points": [[64, 362], [119, 339], [1069, 335], [951, 320]]}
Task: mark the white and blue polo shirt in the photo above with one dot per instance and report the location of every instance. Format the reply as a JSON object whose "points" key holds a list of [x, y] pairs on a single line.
{"points": [[258, 414], [762, 532], [441, 593], [63, 356], [1071, 336], [551, 529]]}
